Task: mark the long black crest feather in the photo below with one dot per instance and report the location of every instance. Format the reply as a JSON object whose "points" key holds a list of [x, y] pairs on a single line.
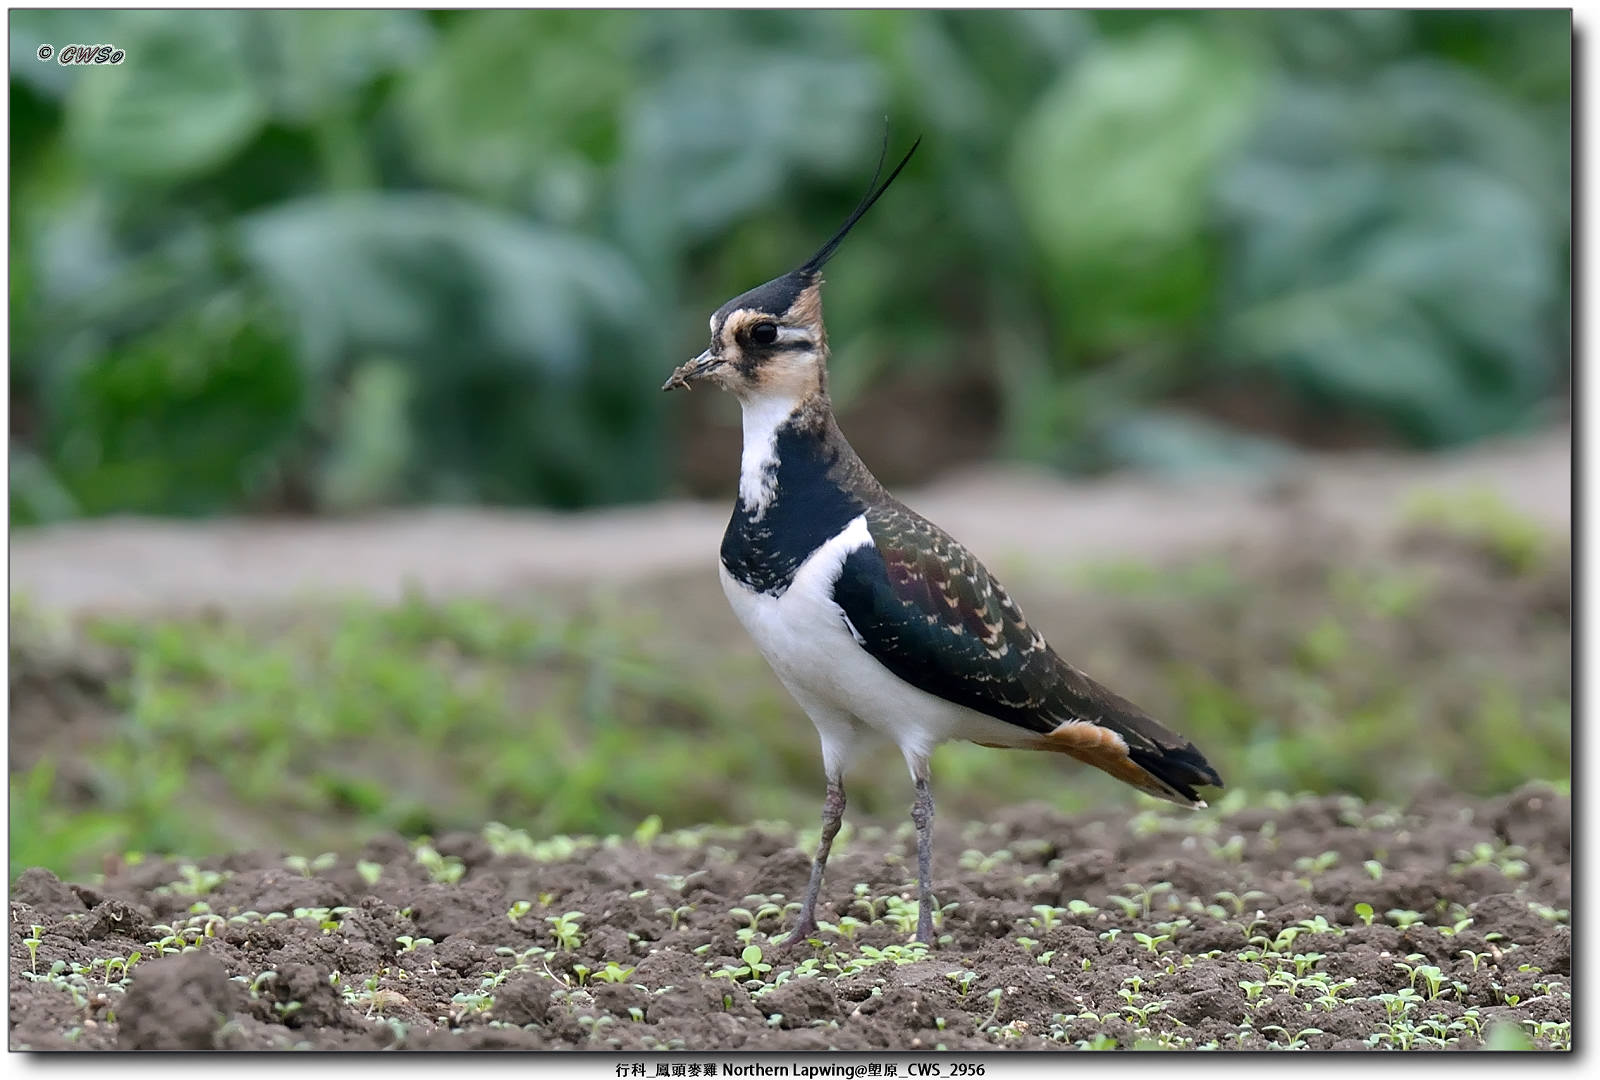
{"points": [[874, 191]]}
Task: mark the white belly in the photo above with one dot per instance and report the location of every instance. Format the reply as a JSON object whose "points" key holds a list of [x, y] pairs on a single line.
{"points": [[804, 636]]}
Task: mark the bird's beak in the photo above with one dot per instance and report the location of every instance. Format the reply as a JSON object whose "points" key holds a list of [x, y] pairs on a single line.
{"points": [[691, 371]]}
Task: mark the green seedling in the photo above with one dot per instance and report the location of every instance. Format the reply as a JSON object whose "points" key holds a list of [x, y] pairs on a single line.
{"points": [[444, 869], [1231, 852], [33, 942], [1365, 913], [752, 969], [675, 914], [615, 973], [1295, 1042], [994, 1011], [1313, 865], [564, 928], [648, 830], [962, 979], [1045, 917], [1151, 943], [306, 867], [519, 909], [1401, 918]]}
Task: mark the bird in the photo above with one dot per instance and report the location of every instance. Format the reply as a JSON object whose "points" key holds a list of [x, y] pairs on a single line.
{"points": [[876, 621]]}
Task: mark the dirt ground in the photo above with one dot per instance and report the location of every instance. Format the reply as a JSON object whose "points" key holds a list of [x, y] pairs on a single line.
{"points": [[1318, 923], [1241, 930]]}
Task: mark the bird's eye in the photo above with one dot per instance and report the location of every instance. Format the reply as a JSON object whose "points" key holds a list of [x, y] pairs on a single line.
{"points": [[764, 333]]}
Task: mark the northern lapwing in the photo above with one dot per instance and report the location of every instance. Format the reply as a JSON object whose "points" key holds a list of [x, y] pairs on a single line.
{"points": [[873, 618]]}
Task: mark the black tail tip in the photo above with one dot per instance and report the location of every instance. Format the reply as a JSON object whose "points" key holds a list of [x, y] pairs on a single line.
{"points": [[1181, 769]]}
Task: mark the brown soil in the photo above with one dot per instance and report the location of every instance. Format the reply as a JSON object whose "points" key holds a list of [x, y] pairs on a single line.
{"points": [[486, 980]]}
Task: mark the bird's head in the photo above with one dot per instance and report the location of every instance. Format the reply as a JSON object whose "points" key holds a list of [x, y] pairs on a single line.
{"points": [[770, 341]]}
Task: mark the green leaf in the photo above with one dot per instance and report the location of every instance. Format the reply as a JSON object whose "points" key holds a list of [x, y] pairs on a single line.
{"points": [[532, 377], [185, 419], [432, 276], [514, 98], [698, 157], [182, 102], [325, 58], [1112, 170], [1400, 258]]}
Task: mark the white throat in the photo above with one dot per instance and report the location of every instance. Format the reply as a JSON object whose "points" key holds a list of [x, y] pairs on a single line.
{"points": [[758, 464]]}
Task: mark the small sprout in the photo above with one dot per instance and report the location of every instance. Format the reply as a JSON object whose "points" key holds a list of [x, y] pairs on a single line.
{"points": [[519, 909], [1046, 918], [444, 869], [1402, 918], [648, 830], [1374, 869], [1365, 913], [1151, 943], [1144, 1012], [675, 914], [962, 979], [564, 928], [370, 871], [994, 1012]]}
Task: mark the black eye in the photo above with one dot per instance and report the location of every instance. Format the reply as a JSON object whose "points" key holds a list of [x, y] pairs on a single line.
{"points": [[763, 333]]}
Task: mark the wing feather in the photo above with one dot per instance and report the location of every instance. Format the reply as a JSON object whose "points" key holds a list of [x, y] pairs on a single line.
{"points": [[930, 612]]}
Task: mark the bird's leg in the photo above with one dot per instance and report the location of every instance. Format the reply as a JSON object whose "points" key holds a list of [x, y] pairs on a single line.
{"points": [[832, 815], [922, 817]]}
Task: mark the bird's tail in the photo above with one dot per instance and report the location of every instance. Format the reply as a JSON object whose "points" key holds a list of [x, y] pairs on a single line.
{"points": [[1137, 751]]}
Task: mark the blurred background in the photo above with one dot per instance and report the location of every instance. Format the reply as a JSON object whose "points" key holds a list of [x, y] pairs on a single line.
{"points": [[288, 266]]}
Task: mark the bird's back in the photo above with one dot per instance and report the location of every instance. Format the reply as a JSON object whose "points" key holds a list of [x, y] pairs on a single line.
{"points": [[922, 606]]}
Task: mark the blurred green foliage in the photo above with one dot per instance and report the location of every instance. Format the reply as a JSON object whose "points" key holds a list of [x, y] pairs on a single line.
{"points": [[327, 260]]}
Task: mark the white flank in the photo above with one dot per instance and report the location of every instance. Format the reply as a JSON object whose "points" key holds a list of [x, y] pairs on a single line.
{"points": [[758, 475], [816, 655]]}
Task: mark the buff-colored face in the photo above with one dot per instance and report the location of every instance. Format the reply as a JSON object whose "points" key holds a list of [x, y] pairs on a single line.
{"points": [[758, 350]]}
